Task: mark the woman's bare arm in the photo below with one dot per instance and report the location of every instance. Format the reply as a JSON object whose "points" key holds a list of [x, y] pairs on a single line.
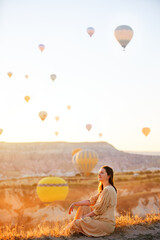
{"points": [[80, 203]]}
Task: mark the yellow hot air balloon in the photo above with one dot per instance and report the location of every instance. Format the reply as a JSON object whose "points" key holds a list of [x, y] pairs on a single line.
{"points": [[76, 150], [43, 115], [41, 47], [100, 134], [56, 133], [123, 34], [27, 98], [50, 189], [57, 118], [53, 77], [1, 131], [69, 107], [86, 161], [90, 31], [146, 131], [10, 74], [26, 76], [88, 126]]}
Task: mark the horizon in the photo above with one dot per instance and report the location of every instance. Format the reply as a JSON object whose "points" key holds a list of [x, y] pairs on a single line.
{"points": [[99, 142]]}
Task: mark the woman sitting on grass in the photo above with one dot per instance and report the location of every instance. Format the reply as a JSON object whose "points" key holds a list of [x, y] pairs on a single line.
{"points": [[96, 216]]}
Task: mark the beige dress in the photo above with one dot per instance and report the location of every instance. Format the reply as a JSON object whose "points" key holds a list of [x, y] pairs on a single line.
{"points": [[103, 205]]}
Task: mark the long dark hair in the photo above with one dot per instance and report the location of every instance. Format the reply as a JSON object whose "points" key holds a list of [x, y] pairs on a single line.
{"points": [[109, 171]]}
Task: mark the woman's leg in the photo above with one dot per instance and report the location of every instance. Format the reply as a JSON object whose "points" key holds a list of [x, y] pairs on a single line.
{"points": [[81, 211]]}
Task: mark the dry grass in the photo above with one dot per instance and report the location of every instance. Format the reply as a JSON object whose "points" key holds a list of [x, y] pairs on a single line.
{"points": [[56, 228]]}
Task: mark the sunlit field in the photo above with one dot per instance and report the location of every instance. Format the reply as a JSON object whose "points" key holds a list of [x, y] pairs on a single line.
{"points": [[56, 228], [23, 215]]}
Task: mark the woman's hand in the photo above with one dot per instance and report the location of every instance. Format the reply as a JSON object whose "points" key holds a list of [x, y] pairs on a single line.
{"points": [[71, 208]]}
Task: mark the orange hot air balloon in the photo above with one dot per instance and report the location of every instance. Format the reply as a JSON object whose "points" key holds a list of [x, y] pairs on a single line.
{"points": [[146, 131], [1, 131], [56, 133], [76, 151], [10, 74], [88, 126], [68, 107], [27, 98], [56, 118], [41, 47], [100, 134], [43, 115], [26, 76]]}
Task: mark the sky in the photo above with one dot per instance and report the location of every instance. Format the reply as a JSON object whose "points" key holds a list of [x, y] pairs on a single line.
{"points": [[114, 90]]}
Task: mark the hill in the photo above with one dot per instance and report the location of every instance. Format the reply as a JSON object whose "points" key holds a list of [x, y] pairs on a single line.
{"points": [[19, 159]]}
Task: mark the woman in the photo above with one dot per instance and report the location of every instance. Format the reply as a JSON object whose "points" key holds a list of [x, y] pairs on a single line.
{"points": [[99, 219]]}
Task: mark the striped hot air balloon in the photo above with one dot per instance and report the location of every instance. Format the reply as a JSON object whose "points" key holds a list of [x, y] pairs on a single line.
{"points": [[86, 161]]}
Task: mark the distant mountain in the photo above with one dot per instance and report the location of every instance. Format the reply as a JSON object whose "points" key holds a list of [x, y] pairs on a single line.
{"points": [[43, 158]]}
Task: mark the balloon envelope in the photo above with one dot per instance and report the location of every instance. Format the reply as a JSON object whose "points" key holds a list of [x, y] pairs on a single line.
{"points": [[57, 118], [43, 115], [41, 47], [53, 77], [27, 98], [68, 107], [146, 131], [51, 189], [86, 161], [90, 31], [1, 131], [88, 126], [56, 133], [123, 34], [10, 74]]}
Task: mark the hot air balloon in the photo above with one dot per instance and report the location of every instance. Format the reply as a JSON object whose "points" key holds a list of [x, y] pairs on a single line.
{"points": [[56, 118], [42, 115], [86, 161], [10, 74], [90, 31], [27, 98], [1, 131], [123, 34], [75, 151], [50, 189], [26, 76], [68, 107], [53, 77], [100, 134], [41, 47], [88, 126], [56, 133], [146, 131]]}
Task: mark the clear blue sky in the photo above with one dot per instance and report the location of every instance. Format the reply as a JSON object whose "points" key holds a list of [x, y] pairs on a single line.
{"points": [[116, 91]]}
